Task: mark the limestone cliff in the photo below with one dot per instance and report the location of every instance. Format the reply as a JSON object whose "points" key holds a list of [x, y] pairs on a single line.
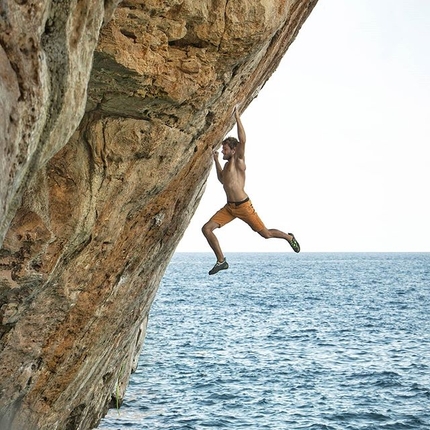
{"points": [[109, 116]]}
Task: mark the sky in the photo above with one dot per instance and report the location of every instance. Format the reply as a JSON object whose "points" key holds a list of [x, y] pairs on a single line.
{"points": [[337, 139]]}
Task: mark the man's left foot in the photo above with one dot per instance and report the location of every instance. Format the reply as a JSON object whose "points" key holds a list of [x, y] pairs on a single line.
{"points": [[219, 266], [294, 244]]}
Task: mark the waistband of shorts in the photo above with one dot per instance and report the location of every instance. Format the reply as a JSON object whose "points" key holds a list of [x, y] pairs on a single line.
{"points": [[239, 203]]}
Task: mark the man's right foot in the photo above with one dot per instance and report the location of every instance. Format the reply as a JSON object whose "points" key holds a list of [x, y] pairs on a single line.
{"points": [[294, 244], [219, 266]]}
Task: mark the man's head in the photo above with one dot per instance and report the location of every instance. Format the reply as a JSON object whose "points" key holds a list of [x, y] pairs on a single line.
{"points": [[229, 146], [232, 142]]}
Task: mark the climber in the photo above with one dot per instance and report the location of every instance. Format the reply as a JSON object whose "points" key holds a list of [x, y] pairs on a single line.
{"points": [[232, 176]]}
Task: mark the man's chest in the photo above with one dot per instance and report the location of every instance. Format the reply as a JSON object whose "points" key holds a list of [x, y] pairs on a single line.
{"points": [[232, 172]]}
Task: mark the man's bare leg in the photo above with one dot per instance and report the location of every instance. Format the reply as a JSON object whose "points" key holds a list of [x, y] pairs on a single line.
{"points": [[269, 233], [208, 232]]}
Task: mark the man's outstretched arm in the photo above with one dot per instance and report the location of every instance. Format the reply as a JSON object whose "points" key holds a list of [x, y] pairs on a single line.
{"points": [[240, 134]]}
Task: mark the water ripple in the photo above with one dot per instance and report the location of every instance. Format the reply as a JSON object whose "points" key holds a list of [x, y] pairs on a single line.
{"points": [[312, 341]]}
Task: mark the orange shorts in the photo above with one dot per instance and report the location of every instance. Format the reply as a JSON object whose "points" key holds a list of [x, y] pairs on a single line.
{"points": [[244, 211]]}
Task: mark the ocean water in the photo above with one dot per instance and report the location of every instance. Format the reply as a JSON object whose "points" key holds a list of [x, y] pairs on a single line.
{"points": [[318, 341]]}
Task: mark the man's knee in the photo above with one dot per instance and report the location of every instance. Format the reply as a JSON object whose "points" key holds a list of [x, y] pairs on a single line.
{"points": [[265, 233], [205, 229], [209, 227]]}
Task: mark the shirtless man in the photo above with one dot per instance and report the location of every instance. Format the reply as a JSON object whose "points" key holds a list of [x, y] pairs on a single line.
{"points": [[232, 176]]}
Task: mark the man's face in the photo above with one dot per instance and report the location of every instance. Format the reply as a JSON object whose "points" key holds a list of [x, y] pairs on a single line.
{"points": [[227, 152]]}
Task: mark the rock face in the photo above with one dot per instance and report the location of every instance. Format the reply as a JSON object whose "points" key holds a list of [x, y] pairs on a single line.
{"points": [[109, 117]]}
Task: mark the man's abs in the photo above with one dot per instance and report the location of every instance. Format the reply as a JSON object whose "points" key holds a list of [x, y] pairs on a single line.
{"points": [[234, 184]]}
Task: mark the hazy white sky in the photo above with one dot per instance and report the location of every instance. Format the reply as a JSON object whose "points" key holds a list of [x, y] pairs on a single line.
{"points": [[337, 140]]}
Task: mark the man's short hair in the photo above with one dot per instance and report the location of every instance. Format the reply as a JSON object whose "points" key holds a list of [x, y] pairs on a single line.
{"points": [[232, 142]]}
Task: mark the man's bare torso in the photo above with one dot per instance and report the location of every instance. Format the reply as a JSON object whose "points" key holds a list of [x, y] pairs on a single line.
{"points": [[233, 176]]}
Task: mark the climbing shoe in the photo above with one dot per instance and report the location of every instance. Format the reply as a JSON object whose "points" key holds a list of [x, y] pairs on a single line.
{"points": [[294, 244], [219, 266]]}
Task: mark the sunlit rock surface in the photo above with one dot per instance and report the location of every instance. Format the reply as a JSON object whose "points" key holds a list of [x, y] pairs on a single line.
{"points": [[109, 117]]}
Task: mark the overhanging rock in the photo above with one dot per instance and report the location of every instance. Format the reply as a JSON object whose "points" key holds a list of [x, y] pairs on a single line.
{"points": [[99, 182]]}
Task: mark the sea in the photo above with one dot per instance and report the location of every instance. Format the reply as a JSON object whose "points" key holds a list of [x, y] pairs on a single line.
{"points": [[315, 341]]}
